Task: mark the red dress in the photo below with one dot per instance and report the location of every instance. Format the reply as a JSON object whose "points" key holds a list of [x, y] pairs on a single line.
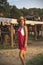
{"points": [[21, 38]]}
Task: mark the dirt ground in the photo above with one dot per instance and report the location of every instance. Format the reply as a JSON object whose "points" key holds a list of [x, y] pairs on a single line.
{"points": [[11, 56]]}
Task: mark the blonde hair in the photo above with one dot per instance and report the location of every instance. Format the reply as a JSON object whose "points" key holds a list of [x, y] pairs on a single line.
{"points": [[19, 20]]}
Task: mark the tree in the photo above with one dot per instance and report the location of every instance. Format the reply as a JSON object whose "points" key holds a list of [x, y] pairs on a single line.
{"points": [[4, 8], [15, 12], [3, 2], [7, 10]]}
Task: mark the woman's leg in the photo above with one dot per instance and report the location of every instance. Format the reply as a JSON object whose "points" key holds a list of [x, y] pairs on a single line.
{"points": [[22, 54]]}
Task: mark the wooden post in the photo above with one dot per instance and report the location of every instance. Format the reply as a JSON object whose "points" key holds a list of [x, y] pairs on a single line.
{"points": [[1, 32], [35, 32], [42, 30], [12, 44]]}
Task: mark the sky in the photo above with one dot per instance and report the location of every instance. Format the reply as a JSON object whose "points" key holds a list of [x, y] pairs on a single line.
{"points": [[26, 3]]}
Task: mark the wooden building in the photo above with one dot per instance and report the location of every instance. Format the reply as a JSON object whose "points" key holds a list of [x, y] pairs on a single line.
{"points": [[9, 30]]}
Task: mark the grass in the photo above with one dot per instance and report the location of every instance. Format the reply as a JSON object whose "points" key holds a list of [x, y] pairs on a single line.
{"points": [[7, 47], [2, 46], [37, 60]]}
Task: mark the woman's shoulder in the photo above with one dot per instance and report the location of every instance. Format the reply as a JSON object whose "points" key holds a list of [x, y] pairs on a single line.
{"points": [[25, 27]]}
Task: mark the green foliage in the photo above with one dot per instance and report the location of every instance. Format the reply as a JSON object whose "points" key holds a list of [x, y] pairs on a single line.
{"points": [[14, 12], [2, 46]]}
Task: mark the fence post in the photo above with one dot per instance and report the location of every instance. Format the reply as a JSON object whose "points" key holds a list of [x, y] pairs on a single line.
{"points": [[12, 44], [35, 32]]}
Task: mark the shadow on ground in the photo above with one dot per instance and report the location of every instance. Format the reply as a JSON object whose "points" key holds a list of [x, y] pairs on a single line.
{"points": [[37, 60]]}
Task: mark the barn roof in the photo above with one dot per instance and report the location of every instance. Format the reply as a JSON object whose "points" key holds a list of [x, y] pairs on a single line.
{"points": [[14, 21]]}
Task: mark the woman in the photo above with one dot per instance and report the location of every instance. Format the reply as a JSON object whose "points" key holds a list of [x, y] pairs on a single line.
{"points": [[22, 39]]}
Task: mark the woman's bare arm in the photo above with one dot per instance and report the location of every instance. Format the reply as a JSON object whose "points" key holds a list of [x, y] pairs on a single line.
{"points": [[26, 36]]}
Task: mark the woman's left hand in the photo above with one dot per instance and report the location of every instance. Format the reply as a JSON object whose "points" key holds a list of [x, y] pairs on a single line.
{"points": [[25, 45]]}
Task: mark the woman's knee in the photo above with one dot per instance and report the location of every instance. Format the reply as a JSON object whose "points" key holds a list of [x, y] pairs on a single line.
{"points": [[21, 54]]}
